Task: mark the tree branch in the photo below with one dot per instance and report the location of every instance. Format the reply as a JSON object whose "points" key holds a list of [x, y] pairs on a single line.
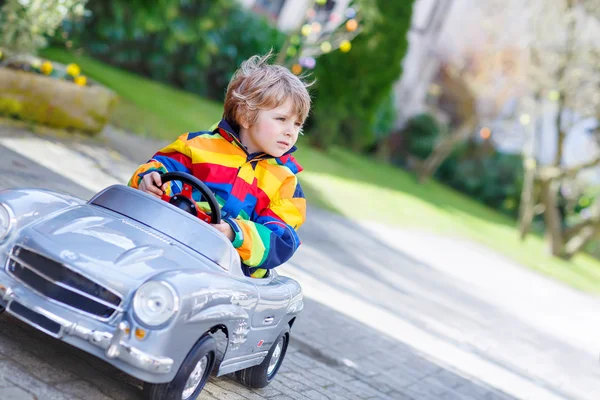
{"points": [[553, 173]]}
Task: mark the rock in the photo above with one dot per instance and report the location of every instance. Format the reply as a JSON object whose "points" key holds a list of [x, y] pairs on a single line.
{"points": [[55, 102]]}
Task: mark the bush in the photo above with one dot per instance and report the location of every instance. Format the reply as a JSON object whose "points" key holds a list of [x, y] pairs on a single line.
{"points": [[474, 167], [194, 45], [492, 177], [421, 133], [24, 27]]}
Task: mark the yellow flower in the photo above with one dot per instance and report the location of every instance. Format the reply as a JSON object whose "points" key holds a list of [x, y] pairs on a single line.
{"points": [[306, 29], [345, 46], [46, 68], [325, 47], [1, 54], [73, 69], [296, 69], [80, 80]]}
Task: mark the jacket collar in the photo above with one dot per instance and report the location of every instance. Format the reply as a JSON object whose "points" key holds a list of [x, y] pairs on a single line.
{"points": [[233, 136]]}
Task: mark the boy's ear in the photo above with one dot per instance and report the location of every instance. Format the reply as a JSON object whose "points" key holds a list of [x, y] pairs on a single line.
{"points": [[243, 118]]}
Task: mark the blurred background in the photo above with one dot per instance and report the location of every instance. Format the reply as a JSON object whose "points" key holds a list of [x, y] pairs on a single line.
{"points": [[497, 100], [468, 119]]}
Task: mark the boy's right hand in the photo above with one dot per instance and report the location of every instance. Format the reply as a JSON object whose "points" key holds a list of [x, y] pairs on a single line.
{"points": [[152, 184]]}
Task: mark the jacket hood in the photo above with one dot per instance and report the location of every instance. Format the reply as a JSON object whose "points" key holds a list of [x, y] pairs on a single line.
{"points": [[231, 135]]}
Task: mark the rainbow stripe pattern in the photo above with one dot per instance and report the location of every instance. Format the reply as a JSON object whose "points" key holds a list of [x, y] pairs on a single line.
{"points": [[260, 195]]}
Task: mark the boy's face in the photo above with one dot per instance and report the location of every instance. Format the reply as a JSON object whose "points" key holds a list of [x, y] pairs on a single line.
{"points": [[274, 132]]}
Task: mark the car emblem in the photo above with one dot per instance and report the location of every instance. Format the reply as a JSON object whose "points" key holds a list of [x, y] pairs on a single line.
{"points": [[68, 255]]}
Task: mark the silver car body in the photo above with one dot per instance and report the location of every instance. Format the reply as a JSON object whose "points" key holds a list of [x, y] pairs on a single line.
{"points": [[71, 267]]}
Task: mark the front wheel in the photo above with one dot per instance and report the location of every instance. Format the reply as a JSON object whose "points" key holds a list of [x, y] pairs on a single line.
{"points": [[191, 377], [261, 375]]}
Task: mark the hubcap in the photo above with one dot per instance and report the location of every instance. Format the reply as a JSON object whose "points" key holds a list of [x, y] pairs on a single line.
{"points": [[195, 377], [276, 356]]}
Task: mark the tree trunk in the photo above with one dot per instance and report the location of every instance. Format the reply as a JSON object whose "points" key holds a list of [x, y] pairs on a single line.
{"points": [[444, 148], [552, 219], [576, 243], [528, 199]]}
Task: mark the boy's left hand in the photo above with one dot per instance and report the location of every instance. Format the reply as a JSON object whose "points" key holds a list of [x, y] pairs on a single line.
{"points": [[225, 228]]}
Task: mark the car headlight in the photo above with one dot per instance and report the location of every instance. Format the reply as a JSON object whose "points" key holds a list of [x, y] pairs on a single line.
{"points": [[155, 303], [6, 221]]}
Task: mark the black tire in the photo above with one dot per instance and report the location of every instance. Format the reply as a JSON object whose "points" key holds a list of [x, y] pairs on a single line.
{"points": [[205, 347], [259, 376]]}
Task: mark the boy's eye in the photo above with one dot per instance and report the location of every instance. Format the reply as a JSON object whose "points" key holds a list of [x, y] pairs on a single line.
{"points": [[281, 119]]}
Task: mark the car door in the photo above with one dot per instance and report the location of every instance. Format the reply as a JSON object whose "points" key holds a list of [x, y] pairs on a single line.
{"points": [[273, 299]]}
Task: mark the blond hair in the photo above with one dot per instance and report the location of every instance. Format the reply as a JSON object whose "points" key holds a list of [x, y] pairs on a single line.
{"points": [[257, 85]]}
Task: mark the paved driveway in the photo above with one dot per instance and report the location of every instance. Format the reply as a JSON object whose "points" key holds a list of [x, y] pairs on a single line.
{"points": [[390, 314]]}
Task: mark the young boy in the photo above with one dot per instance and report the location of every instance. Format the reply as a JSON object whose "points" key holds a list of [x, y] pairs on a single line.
{"points": [[246, 161]]}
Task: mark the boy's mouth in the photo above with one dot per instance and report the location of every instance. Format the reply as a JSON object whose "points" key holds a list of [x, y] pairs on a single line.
{"points": [[286, 144]]}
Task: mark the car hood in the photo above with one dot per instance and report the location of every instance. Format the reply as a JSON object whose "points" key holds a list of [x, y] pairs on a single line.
{"points": [[109, 248]]}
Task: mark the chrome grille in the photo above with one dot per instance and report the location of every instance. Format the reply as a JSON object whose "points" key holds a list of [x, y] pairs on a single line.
{"points": [[58, 282]]}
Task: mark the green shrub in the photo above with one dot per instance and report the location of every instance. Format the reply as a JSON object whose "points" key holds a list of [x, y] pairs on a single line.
{"points": [[421, 133], [474, 167], [194, 45], [351, 87], [492, 177]]}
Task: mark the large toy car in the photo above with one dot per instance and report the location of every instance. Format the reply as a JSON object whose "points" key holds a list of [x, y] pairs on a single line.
{"points": [[144, 285]]}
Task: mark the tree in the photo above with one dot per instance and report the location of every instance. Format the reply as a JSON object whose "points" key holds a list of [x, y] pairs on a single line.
{"points": [[25, 24], [563, 73], [351, 87], [321, 31], [477, 81]]}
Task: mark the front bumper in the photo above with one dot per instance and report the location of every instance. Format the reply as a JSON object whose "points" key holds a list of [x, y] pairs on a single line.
{"points": [[110, 342]]}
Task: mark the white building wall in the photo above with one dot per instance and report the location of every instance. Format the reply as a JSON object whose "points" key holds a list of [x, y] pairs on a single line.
{"points": [[292, 14]]}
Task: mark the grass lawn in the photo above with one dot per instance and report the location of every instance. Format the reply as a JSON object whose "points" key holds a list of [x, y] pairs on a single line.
{"points": [[346, 183]]}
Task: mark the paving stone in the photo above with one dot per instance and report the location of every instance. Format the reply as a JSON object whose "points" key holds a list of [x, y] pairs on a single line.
{"points": [[332, 374], [220, 393], [311, 378], [362, 389], [281, 386], [82, 390], [428, 389], [50, 373], [15, 393], [315, 395], [295, 382], [204, 395], [22, 378], [301, 360], [4, 382], [235, 387], [268, 391]]}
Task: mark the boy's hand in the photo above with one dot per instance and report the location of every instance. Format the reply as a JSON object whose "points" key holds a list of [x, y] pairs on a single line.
{"points": [[152, 184], [225, 228]]}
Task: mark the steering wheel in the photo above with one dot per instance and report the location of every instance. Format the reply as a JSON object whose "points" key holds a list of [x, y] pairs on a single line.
{"points": [[185, 201]]}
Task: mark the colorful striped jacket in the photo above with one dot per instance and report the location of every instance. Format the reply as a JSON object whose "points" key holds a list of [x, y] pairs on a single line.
{"points": [[260, 195]]}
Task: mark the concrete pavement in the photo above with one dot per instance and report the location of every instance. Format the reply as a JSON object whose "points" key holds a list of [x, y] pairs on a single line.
{"points": [[389, 314]]}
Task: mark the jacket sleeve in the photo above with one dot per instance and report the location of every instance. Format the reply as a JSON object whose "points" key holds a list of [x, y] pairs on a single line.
{"points": [[270, 238], [176, 157]]}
